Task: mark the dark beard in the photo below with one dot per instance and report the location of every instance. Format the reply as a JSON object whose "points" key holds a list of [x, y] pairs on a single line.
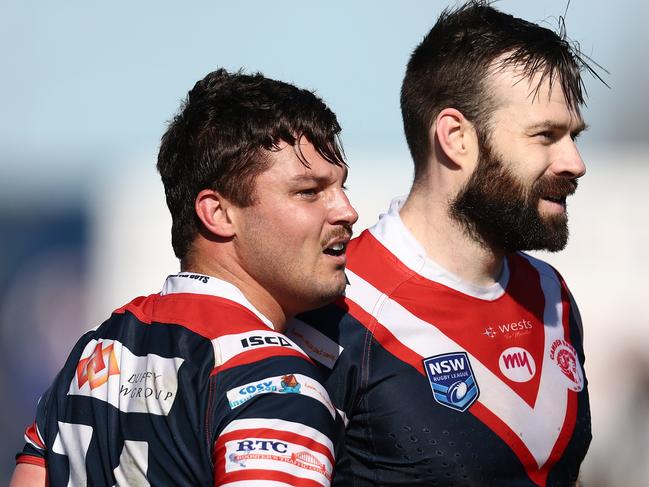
{"points": [[497, 210]]}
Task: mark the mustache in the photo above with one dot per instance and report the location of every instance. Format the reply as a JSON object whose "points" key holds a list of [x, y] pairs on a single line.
{"points": [[342, 231], [554, 187]]}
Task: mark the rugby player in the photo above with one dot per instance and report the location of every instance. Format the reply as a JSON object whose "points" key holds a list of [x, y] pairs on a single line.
{"points": [[197, 385], [457, 358]]}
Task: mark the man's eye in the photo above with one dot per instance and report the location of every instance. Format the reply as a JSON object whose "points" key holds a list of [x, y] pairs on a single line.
{"points": [[307, 192], [546, 136]]}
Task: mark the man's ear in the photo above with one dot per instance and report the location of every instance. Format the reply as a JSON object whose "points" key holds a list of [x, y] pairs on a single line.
{"points": [[456, 136], [215, 212]]}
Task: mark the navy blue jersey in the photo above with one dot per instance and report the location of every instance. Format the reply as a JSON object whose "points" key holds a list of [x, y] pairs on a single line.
{"points": [[444, 383], [188, 387]]}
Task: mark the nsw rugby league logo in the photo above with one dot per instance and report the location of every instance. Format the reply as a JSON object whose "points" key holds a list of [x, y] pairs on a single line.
{"points": [[452, 380]]}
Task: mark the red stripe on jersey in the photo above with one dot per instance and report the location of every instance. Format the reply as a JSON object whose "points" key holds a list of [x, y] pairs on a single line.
{"points": [[365, 254], [32, 433], [31, 460], [258, 474], [208, 316], [571, 408], [257, 355]]}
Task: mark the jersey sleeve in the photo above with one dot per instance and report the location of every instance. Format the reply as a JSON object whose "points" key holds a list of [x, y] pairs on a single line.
{"points": [[273, 420], [34, 450]]}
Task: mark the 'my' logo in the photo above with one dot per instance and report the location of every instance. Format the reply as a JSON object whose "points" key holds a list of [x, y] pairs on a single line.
{"points": [[517, 364]]}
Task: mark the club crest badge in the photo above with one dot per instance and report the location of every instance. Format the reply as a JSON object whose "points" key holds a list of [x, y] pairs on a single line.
{"points": [[452, 380], [565, 356]]}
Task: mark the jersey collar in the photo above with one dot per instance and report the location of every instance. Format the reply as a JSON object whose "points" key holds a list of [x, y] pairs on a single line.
{"points": [[189, 282], [395, 236]]}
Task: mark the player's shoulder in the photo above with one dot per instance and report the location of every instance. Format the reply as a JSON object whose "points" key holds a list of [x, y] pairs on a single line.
{"points": [[542, 267]]}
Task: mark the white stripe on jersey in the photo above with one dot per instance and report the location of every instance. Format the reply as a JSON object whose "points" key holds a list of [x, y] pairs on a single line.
{"points": [[305, 386], [227, 347], [280, 425], [539, 427], [319, 346]]}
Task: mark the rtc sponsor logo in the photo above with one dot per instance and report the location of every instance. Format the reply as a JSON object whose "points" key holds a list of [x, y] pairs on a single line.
{"points": [[565, 357], [452, 380], [514, 329], [250, 453], [517, 364]]}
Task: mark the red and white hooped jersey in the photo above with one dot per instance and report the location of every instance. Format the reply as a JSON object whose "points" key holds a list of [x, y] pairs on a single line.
{"points": [[191, 386], [444, 383]]}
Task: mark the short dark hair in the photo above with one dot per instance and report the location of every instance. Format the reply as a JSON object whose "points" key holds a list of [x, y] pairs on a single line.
{"points": [[221, 137], [449, 68]]}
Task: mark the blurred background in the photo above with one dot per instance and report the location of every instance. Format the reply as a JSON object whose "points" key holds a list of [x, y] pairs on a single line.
{"points": [[86, 91]]}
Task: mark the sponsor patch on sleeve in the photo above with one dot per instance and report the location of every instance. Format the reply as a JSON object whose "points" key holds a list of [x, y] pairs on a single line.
{"points": [[281, 384], [109, 371], [230, 346]]}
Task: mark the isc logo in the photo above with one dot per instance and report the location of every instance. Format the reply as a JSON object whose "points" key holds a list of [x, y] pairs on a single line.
{"points": [[262, 445], [517, 364], [255, 341]]}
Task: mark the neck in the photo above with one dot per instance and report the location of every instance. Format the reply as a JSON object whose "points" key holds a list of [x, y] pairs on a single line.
{"points": [[259, 297], [447, 243]]}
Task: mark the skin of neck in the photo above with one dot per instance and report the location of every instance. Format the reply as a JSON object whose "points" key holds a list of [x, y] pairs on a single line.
{"points": [[426, 214], [220, 260]]}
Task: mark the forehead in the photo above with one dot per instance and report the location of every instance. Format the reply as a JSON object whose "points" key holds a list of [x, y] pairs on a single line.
{"points": [[531, 100], [287, 164]]}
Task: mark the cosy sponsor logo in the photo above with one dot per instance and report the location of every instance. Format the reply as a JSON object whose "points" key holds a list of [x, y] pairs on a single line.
{"points": [[564, 355], [281, 384], [517, 364], [98, 367], [284, 384], [452, 380], [256, 452]]}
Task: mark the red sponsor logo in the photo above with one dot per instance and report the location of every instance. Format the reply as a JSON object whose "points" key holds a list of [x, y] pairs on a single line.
{"points": [[517, 364], [98, 367]]}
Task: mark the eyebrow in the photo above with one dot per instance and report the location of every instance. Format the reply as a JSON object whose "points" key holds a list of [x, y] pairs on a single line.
{"points": [[550, 125], [309, 178]]}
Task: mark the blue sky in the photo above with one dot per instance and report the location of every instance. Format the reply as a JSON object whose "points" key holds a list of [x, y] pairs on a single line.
{"points": [[88, 85]]}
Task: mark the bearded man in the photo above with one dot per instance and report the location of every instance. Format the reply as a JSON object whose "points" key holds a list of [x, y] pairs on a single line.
{"points": [[448, 353]]}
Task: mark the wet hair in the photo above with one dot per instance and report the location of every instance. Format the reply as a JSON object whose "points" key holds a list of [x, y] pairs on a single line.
{"points": [[223, 134], [450, 68]]}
